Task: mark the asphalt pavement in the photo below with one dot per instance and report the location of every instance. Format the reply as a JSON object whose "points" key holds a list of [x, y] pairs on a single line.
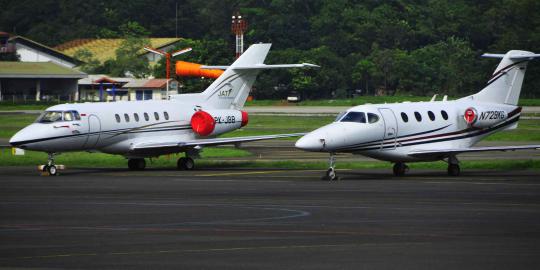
{"points": [[268, 219]]}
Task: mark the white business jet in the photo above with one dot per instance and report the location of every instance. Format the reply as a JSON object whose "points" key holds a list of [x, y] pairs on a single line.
{"points": [[142, 129], [428, 131]]}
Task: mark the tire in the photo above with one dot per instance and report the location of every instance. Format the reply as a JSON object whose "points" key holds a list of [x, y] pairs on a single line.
{"points": [[400, 169], [136, 164], [454, 170], [52, 170], [331, 175], [189, 164], [185, 163]]}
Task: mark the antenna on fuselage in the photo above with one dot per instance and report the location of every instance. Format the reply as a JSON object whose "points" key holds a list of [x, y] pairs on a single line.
{"points": [[433, 98], [445, 98]]}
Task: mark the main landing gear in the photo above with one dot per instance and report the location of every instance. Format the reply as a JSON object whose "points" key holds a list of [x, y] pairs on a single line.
{"points": [[136, 164], [400, 169], [331, 172], [185, 163], [453, 166]]}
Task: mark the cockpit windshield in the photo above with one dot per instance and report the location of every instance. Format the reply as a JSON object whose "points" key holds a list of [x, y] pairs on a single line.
{"points": [[58, 116], [358, 117]]}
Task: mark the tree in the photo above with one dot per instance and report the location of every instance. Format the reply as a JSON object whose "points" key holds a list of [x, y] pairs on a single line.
{"points": [[362, 71], [90, 64], [128, 59]]}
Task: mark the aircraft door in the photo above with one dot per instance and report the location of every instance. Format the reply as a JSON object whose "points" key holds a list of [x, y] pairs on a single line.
{"points": [[94, 131], [390, 129]]}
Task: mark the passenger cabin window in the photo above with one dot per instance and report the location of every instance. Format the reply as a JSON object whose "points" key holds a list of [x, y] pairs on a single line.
{"points": [[166, 115], [156, 115], [146, 117], [431, 115], [358, 117], [117, 118], [136, 116], [372, 118], [404, 117], [444, 115], [126, 116], [418, 116]]}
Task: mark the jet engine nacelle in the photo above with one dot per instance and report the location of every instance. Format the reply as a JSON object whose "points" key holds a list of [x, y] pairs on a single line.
{"points": [[481, 117], [215, 122]]}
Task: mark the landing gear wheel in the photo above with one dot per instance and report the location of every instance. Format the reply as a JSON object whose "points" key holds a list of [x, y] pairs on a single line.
{"points": [[331, 175], [136, 164], [331, 172], [52, 170], [400, 169], [453, 169], [185, 163]]}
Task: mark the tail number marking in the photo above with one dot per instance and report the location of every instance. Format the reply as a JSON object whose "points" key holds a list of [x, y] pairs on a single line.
{"points": [[493, 115], [230, 119]]}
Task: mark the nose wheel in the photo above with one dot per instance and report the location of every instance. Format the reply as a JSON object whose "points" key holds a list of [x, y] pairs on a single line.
{"points": [[331, 172], [50, 168]]}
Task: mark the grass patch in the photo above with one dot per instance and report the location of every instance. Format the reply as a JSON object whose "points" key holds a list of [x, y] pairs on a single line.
{"points": [[84, 159]]}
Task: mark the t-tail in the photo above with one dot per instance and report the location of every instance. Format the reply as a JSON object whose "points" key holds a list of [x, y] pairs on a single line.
{"points": [[504, 86], [231, 89]]}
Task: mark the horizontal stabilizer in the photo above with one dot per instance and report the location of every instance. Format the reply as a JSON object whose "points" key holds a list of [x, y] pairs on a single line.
{"points": [[513, 57], [447, 152]]}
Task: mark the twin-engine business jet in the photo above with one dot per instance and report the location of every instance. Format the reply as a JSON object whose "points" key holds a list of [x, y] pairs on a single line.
{"points": [[428, 131], [141, 129]]}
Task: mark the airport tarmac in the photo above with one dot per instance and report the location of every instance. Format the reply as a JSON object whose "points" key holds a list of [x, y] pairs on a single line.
{"points": [[268, 219]]}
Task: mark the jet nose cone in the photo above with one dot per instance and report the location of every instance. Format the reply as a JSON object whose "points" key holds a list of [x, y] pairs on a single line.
{"points": [[310, 143]]}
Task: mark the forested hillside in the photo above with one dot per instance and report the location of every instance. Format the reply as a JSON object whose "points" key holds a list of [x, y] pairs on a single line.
{"points": [[417, 47]]}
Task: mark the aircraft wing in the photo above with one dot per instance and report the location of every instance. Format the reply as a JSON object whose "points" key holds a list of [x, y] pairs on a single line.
{"points": [[208, 142], [446, 152]]}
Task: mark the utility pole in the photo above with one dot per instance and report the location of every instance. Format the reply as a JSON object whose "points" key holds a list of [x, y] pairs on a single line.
{"points": [[239, 26]]}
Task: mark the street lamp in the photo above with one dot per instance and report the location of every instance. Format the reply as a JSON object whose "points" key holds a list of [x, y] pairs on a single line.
{"points": [[168, 57]]}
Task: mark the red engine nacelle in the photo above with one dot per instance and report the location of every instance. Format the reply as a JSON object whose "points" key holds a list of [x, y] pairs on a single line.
{"points": [[215, 122]]}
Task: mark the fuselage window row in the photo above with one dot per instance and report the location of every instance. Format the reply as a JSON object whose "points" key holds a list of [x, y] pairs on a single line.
{"points": [[75, 115]]}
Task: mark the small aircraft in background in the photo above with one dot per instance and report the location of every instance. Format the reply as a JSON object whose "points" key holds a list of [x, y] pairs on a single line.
{"points": [[141, 129], [428, 131]]}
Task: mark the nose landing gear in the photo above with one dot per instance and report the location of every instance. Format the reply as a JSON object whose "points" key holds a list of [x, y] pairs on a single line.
{"points": [[331, 172], [50, 169]]}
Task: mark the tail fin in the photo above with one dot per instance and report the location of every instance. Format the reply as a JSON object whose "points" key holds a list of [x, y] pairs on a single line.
{"points": [[505, 85], [231, 89]]}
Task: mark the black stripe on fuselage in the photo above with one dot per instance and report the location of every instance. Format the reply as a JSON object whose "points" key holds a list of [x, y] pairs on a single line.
{"points": [[416, 142], [122, 131]]}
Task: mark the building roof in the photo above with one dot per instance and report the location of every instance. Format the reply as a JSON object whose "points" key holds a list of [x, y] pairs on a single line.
{"points": [[105, 48], [44, 48], [147, 83], [34, 70], [96, 79]]}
